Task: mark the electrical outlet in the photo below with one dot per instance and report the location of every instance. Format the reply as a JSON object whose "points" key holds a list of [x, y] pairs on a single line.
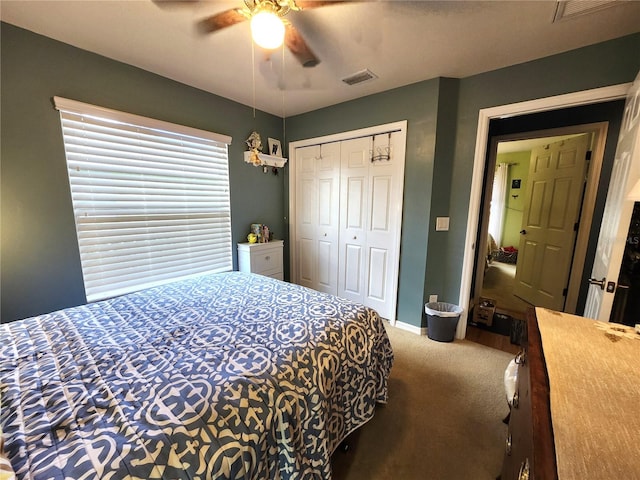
{"points": [[442, 224], [433, 298]]}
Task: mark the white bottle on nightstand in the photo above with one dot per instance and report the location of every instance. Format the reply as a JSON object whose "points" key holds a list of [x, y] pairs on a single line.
{"points": [[262, 258]]}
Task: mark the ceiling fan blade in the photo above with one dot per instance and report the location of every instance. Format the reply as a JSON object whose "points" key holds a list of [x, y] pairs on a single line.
{"points": [[308, 4], [298, 47], [174, 3], [221, 20]]}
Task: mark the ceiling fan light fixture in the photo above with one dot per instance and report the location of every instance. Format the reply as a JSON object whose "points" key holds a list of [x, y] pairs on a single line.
{"points": [[267, 29]]}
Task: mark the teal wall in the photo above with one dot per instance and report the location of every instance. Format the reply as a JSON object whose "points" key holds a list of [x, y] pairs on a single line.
{"points": [[40, 263], [40, 269], [427, 170], [438, 174], [609, 63]]}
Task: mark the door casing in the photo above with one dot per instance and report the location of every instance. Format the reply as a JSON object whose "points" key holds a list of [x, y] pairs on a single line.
{"points": [[599, 132], [586, 97]]}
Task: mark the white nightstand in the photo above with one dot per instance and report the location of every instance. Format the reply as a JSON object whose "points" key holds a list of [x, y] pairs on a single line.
{"points": [[262, 258]]}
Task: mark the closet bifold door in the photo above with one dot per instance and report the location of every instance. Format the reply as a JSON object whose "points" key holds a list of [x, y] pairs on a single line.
{"points": [[368, 233], [354, 205], [348, 194], [317, 215]]}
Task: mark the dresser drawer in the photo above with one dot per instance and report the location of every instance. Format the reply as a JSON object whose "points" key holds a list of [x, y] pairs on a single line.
{"points": [[265, 261], [518, 447], [532, 453], [276, 275], [262, 258]]}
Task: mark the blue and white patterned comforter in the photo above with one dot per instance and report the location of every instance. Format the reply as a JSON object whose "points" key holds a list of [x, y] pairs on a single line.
{"points": [[227, 376]]}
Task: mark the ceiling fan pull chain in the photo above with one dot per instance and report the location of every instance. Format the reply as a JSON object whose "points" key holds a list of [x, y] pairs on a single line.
{"points": [[284, 112], [253, 78]]}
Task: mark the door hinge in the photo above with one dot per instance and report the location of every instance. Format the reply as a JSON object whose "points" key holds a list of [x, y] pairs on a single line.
{"points": [[588, 157], [564, 292]]}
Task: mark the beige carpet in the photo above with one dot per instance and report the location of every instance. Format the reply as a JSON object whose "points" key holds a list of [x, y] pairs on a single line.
{"points": [[443, 420], [498, 284]]}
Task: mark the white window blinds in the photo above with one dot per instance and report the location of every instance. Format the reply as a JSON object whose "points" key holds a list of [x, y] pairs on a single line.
{"points": [[150, 199]]}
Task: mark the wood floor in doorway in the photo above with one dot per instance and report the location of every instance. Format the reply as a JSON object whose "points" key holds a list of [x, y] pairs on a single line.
{"points": [[490, 339]]}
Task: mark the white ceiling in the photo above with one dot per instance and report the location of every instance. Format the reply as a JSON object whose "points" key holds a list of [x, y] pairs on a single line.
{"points": [[401, 42]]}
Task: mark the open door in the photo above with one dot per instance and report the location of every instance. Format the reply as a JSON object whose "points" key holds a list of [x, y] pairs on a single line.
{"points": [[617, 212], [549, 224]]}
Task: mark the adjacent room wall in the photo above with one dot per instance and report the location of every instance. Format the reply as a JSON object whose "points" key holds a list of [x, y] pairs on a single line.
{"points": [[40, 264], [514, 204]]}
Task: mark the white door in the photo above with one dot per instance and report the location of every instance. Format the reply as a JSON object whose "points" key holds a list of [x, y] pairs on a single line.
{"points": [[354, 205], [317, 216], [617, 212], [371, 193], [554, 194], [385, 212]]}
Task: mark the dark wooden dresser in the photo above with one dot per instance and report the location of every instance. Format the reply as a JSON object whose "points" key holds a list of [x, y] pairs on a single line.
{"points": [[529, 447], [574, 411]]}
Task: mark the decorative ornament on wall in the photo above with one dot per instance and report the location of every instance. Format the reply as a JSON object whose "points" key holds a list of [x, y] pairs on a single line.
{"points": [[255, 156], [254, 142]]}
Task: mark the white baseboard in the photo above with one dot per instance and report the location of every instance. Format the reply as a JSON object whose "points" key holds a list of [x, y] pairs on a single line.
{"points": [[411, 328]]}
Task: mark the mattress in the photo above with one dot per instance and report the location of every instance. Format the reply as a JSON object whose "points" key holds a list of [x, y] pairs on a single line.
{"points": [[225, 376]]}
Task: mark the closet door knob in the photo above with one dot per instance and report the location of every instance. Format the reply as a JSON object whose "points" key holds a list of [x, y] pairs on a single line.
{"points": [[523, 232], [355, 238]]}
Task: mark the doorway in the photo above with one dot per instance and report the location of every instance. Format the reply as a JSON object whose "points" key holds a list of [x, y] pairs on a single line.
{"points": [[553, 107], [536, 183]]}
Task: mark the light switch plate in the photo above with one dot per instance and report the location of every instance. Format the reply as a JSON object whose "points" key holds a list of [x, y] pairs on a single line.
{"points": [[442, 224]]}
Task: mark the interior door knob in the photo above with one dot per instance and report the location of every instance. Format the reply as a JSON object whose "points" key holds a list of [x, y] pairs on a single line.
{"points": [[523, 232], [600, 283]]}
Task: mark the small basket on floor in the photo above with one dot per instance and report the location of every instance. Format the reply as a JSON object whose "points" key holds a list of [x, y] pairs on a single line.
{"points": [[506, 255]]}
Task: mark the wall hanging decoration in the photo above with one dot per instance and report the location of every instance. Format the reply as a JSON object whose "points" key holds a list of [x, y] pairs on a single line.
{"points": [[254, 142], [275, 148], [380, 153], [255, 156]]}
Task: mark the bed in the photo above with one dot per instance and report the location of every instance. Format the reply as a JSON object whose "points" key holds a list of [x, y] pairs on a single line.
{"points": [[225, 376]]}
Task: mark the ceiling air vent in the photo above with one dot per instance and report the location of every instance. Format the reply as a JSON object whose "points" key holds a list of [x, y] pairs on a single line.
{"points": [[574, 8], [359, 77]]}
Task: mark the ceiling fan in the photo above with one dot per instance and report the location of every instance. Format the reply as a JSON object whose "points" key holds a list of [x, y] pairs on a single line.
{"points": [[278, 8]]}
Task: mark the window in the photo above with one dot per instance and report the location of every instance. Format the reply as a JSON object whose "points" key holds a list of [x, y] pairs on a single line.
{"points": [[150, 199]]}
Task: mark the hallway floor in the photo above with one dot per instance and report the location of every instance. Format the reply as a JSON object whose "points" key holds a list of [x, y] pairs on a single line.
{"points": [[498, 282]]}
